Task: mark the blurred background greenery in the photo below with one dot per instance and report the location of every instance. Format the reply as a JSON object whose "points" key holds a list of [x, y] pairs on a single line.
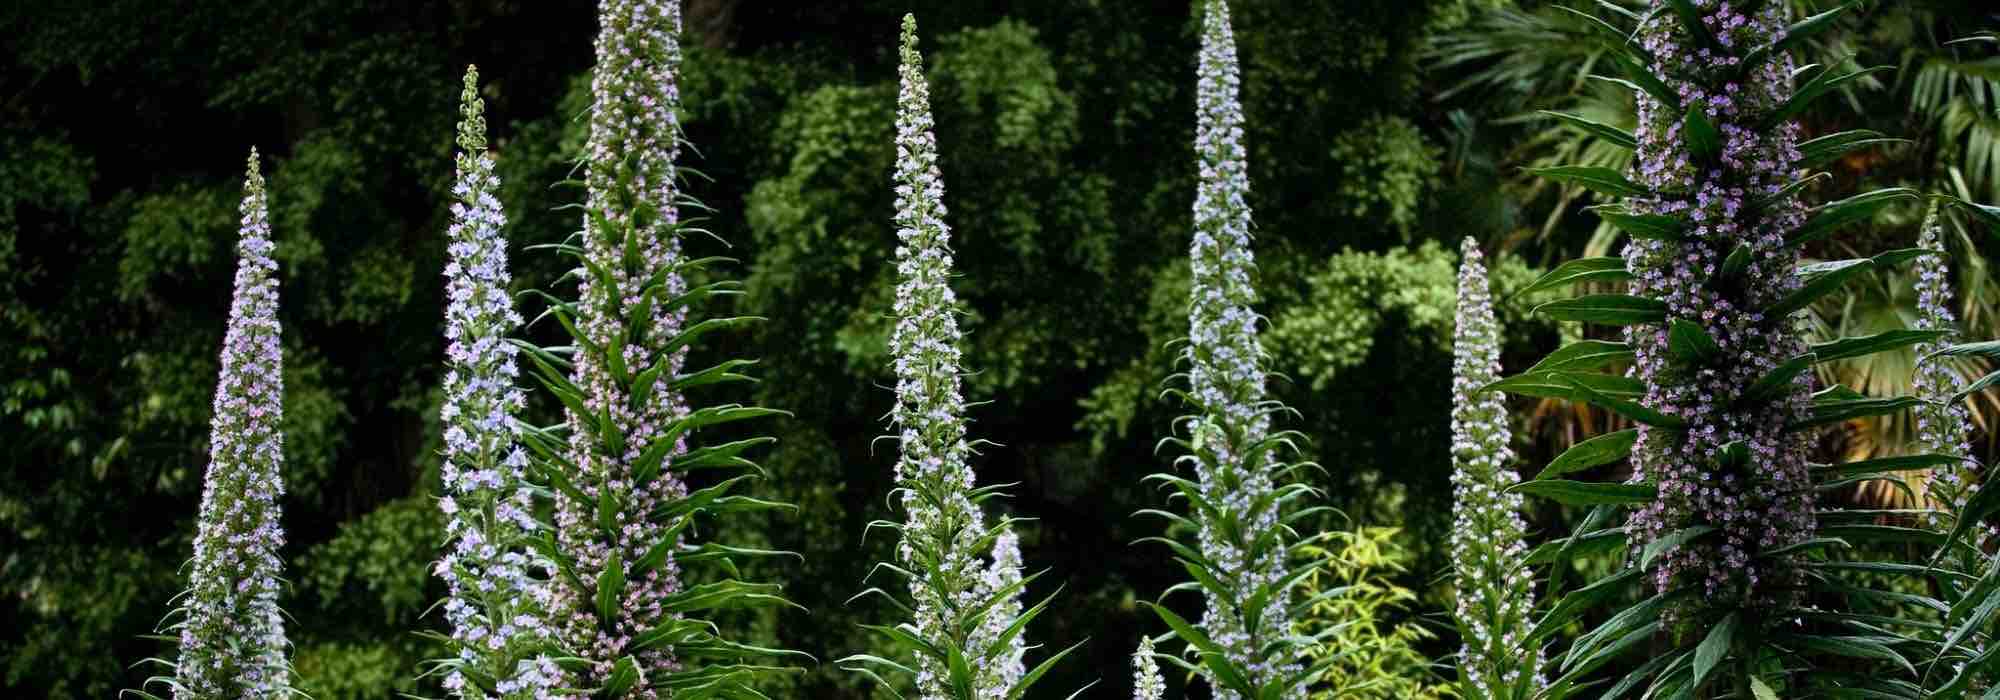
{"points": [[1381, 131]]}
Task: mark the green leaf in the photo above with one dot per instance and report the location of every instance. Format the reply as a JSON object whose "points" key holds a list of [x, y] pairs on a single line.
{"points": [[1577, 602], [623, 676], [1586, 493], [1737, 262], [611, 590], [1703, 139], [1580, 270], [1853, 647], [1691, 21], [1583, 355], [1824, 149], [1614, 135], [1585, 545], [1596, 179], [1983, 503], [1689, 343], [1669, 542], [1654, 226], [1819, 85], [1606, 309], [1794, 35], [1600, 450], [1713, 648], [1987, 348], [1775, 382], [1838, 410], [1645, 81], [1759, 690], [1562, 385], [1845, 348], [1629, 409], [1817, 280]]}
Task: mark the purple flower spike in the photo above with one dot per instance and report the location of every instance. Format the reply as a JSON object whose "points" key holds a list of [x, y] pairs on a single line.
{"points": [[232, 634]]}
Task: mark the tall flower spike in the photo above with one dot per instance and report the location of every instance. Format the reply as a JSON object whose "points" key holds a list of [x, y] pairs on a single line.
{"points": [[1147, 684], [942, 526], [629, 241], [1735, 463], [1234, 450], [1495, 587], [497, 591], [232, 635], [1943, 426]]}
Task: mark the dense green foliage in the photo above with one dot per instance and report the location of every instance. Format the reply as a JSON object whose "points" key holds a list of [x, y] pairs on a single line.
{"points": [[1380, 132]]}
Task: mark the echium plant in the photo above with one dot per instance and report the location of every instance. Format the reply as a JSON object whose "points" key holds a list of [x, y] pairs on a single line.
{"points": [[1943, 425], [230, 629], [1495, 587], [622, 601], [967, 630], [497, 588], [1243, 561], [1972, 587], [1724, 529]]}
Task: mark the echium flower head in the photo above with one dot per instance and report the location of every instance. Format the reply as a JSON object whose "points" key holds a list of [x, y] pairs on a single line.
{"points": [[232, 636], [631, 200], [498, 590], [1495, 587], [932, 472], [1943, 425], [1225, 372], [1728, 199], [1147, 684]]}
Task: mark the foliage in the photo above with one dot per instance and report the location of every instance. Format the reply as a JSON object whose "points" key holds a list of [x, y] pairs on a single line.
{"points": [[1370, 640]]}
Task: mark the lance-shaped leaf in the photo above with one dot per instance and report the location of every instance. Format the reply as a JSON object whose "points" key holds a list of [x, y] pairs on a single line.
{"points": [[1627, 408], [1594, 178], [1820, 84], [1644, 80], [1775, 382], [1663, 227], [1586, 493], [1830, 217], [1669, 542], [1614, 135], [1562, 385], [1845, 348], [1793, 37], [1821, 278], [1713, 649], [1703, 139], [1606, 309], [1578, 271], [1688, 343], [1583, 355], [1597, 451], [1825, 149], [1837, 410]]}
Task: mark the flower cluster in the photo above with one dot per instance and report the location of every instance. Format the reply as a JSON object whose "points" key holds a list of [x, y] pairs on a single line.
{"points": [[232, 635], [1721, 173], [1225, 376], [624, 324], [1943, 425], [1147, 684], [1496, 589], [1003, 573], [497, 590], [942, 526]]}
